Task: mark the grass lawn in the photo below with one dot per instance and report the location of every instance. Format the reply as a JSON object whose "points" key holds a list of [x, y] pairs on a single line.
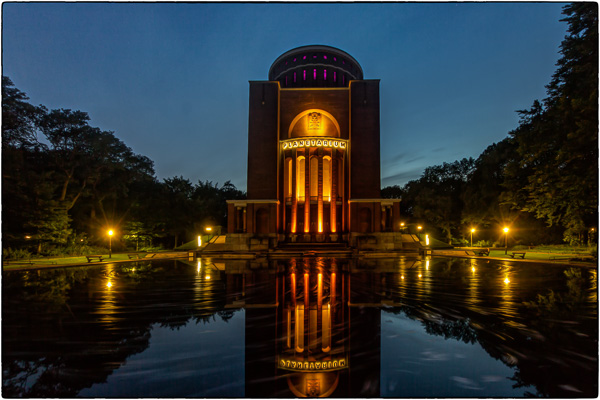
{"points": [[63, 260], [536, 254]]}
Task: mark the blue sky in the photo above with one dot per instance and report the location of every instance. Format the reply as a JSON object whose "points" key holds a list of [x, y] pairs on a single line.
{"points": [[171, 80]]}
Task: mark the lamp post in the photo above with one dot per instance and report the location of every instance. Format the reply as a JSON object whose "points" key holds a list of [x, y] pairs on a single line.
{"points": [[505, 240], [209, 233], [472, 231], [110, 234]]}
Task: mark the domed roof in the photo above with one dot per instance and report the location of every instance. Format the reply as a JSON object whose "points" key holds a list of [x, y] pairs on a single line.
{"points": [[315, 66]]}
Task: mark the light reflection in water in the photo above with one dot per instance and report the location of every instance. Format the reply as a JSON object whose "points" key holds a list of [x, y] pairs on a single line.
{"points": [[474, 283], [593, 291], [442, 310], [507, 307], [108, 308]]}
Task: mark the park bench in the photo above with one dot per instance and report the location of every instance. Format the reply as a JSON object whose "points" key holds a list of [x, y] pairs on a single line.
{"points": [[485, 252], [140, 256], [93, 257], [514, 254], [135, 255]]}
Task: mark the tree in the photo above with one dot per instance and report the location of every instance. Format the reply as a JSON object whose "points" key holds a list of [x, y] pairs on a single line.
{"points": [[77, 171], [481, 193], [557, 139], [391, 192], [435, 197], [19, 118]]}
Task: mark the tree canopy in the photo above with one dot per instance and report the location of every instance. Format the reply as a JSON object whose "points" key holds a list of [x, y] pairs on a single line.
{"points": [[65, 182], [545, 171]]}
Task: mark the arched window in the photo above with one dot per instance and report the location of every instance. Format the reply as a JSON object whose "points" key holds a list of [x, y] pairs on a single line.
{"points": [[300, 184], [314, 177], [327, 178]]}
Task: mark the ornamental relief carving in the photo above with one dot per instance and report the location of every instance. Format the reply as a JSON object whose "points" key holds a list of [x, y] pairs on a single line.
{"points": [[314, 121]]}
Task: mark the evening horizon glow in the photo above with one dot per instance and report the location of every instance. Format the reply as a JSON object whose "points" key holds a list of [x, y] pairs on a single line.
{"points": [[171, 80]]}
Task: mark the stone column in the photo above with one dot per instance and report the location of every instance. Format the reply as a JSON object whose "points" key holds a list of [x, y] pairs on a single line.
{"points": [[231, 218], [282, 194], [334, 183], [320, 194], [250, 218], [307, 190], [244, 217], [345, 211], [294, 192]]}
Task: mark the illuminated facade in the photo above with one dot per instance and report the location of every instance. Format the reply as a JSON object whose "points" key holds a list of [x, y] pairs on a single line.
{"points": [[313, 154]]}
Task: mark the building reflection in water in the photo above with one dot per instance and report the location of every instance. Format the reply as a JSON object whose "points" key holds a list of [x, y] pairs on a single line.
{"points": [[300, 339], [312, 326]]}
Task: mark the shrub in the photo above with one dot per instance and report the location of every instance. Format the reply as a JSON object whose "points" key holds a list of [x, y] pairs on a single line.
{"points": [[74, 250], [151, 248], [520, 247], [16, 254]]}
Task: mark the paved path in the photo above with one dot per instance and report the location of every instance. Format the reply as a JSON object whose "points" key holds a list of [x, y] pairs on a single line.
{"points": [[47, 263], [563, 259]]}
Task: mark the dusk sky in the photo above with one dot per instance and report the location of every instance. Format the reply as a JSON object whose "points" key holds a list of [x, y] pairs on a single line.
{"points": [[171, 80]]}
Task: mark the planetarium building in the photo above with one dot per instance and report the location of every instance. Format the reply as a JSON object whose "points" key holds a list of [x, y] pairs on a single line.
{"points": [[313, 155]]}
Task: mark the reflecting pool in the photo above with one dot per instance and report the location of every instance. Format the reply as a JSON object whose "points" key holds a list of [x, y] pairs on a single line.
{"points": [[307, 327]]}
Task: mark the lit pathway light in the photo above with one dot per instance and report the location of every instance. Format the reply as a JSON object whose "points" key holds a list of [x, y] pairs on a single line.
{"points": [[110, 234]]}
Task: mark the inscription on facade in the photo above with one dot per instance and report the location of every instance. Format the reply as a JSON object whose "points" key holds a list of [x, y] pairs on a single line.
{"points": [[330, 365]]}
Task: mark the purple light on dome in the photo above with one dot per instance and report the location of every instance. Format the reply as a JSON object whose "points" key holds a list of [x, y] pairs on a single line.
{"points": [[304, 58], [294, 77], [334, 76], [325, 74], [343, 62], [334, 59], [325, 57], [343, 79], [294, 60], [315, 74], [304, 74], [314, 56]]}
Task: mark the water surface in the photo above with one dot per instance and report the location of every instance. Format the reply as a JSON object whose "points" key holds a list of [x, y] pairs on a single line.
{"points": [[302, 327]]}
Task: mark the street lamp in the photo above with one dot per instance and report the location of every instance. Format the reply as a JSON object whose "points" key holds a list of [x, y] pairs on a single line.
{"points": [[472, 231], [110, 234], [505, 240]]}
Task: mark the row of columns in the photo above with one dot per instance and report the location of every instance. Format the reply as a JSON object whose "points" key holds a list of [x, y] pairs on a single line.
{"points": [[309, 327], [308, 154]]}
